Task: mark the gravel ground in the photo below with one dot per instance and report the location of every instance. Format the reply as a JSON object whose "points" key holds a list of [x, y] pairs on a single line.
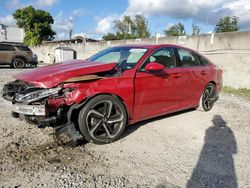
{"points": [[186, 149]]}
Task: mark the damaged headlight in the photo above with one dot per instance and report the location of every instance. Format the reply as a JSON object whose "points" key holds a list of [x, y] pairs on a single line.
{"points": [[37, 95]]}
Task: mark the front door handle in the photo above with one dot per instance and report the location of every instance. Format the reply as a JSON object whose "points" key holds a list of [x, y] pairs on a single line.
{"points": [[176, 75]]}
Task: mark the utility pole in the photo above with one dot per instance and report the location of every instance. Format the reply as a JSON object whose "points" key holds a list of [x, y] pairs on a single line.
{"points": [[70, 34]]}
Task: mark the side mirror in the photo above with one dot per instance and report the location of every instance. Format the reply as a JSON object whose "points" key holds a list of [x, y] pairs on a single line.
{"points": [[154, 66]]}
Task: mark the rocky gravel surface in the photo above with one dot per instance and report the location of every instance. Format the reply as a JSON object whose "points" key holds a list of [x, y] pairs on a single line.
{"points": [[186, 149]]}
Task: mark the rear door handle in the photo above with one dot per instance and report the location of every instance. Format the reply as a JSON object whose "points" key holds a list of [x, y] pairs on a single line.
{"points": [[176, 75], [203, 72]]}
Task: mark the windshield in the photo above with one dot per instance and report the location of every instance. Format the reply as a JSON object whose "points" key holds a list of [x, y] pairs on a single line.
{"points": [[125, 57]]}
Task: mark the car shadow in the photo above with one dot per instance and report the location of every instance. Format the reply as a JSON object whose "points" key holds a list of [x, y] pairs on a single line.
{"points": [[134, 127], [215, 167], [10, 68]]}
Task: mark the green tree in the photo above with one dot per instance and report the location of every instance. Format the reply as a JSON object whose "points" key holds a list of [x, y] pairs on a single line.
{"points": [[195, 29], [110, 36], [175, 30], [141, 27], [36, 24], [227, 24], [129, 28], [124, 26]]}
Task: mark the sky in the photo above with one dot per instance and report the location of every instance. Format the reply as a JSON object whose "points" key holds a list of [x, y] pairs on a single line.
{"points": [[95, 18]]}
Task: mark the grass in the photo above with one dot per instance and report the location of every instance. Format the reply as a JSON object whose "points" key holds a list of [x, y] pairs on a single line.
{"points": [[243, 92]]}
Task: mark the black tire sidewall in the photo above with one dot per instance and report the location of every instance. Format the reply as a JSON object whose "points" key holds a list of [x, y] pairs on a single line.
{"points": [[83, 113], [19, 59]]}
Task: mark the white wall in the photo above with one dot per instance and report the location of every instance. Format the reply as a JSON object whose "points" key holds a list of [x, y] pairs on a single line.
{"points": [[11, 34]]}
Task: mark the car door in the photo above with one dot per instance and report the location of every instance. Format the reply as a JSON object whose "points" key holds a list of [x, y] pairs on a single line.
{"points": [[196, 73], [6, 53], [158, 92]]}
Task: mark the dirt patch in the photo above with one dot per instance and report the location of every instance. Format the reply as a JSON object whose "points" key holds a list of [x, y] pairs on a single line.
{"points": [[178, 150]]}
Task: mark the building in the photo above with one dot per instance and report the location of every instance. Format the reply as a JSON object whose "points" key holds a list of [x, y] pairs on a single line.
{"points": [[11, 33]]}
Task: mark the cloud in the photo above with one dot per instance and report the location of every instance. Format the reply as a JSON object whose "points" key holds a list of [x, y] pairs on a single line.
{"points": [[62, 35], [175, 9], [8, 20], [169, 25], [241, 9], [46, 3], [13, 4], [202, 11], [63, 24], [178, 9], [84, 35], [105, 25], [17, 4], [205, 12], [79, 12]]}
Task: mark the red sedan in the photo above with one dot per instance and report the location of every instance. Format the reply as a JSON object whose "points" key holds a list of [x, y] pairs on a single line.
{"points": [[98, 97]]}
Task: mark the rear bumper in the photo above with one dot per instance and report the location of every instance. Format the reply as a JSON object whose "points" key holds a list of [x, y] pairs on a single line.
{"points": [[33, 62], [37, 110]]}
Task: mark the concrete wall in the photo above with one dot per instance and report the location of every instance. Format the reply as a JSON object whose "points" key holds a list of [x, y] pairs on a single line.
{"points": [[231, 51]]}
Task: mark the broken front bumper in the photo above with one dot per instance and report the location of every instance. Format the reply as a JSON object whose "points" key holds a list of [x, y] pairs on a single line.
{"points": [[37, 110]]}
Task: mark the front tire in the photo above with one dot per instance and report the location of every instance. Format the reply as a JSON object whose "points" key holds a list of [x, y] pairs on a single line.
{"points": [[19, 63], [208, 98], [103, 119]]}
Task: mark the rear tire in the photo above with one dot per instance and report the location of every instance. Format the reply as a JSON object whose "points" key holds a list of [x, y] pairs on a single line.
{"points": [[19, 63], [208, 98], [103, 119]]}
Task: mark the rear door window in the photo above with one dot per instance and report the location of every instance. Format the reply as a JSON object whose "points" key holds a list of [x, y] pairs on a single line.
{"points": [[203, 60], [187, 58], [5, 47]]}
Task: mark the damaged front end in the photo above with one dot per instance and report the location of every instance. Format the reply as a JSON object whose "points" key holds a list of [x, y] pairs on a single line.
{"points": [[53, 95], [43, 106], [31, 102]]}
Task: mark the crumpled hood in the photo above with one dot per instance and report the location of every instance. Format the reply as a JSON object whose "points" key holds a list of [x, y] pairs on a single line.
{"points": [[52, 75]]}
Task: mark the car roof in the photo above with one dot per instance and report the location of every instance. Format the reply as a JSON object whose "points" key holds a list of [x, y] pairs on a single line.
{"points": [[153, 46], [13, 43]]}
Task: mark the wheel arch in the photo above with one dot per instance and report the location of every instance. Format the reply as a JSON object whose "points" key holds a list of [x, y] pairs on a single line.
{"points": [[214, 83], [19, 56], [85, 101], [114, 95], [210, 82]]}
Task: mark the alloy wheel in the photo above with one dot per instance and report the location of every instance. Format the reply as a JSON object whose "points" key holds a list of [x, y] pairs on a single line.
{"points": [[208, 97], [19, 63], [104, 120]]}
